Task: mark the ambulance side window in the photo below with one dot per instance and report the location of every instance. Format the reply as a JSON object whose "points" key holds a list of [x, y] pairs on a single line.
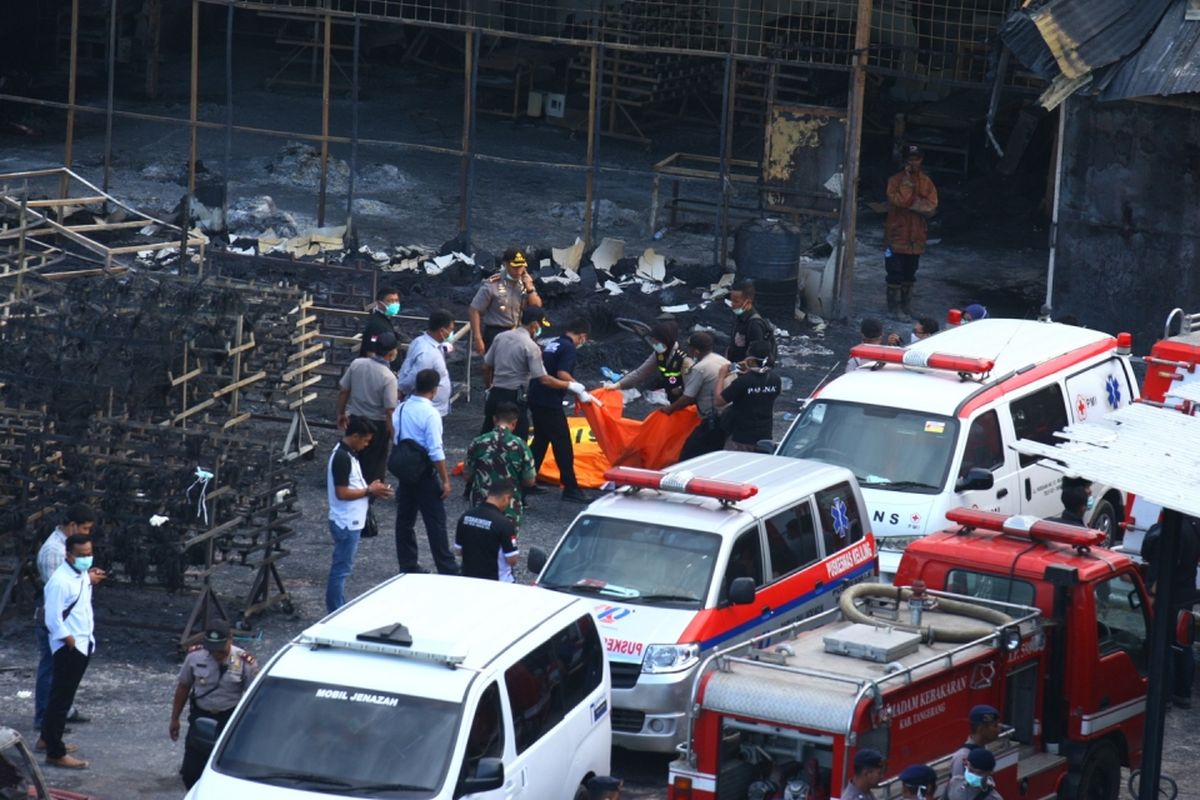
{"points": [[985, 447], [841, 525], [486, 738], [745, 561], [1038, 417], [792, 539]]}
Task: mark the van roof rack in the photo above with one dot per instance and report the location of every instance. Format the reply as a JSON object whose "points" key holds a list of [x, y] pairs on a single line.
{"points": [[389, 640]]}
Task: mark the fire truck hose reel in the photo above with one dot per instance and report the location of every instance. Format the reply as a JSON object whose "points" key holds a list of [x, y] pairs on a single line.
{"points": [[899, 594]]}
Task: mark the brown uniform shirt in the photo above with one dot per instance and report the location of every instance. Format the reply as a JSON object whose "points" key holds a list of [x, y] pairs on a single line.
{"points": [[910, 203]]}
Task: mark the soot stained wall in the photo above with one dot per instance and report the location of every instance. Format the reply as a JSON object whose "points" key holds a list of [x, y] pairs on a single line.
{"points": [[1129, 245]]}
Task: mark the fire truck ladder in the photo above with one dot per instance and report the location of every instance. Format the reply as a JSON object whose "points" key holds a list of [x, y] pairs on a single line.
{"points": [[1025, 621]]}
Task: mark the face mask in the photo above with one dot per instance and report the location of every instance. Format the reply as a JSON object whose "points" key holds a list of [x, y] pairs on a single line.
{"points": [[391, 309], [972, 779], [1091, 502], [737, 312], [913, 338], [659, 348], [537, 331], [83, 563]]}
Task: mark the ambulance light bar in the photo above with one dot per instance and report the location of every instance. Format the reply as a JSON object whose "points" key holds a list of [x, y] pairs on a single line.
{"points": [[681, 481], [913, 358], [1038, 530]]}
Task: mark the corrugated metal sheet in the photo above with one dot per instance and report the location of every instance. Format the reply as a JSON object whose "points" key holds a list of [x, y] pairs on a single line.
{"points": [[1074, 37], [1168, 63]]}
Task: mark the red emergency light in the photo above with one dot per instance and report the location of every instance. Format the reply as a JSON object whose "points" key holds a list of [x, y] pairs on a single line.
{"points": [[914, 358], [682, 481], [1039, 530]]}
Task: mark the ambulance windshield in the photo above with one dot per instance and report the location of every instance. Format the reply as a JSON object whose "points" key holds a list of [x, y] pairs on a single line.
{"points": [[322, 737], [633, 561], [885, 448]]}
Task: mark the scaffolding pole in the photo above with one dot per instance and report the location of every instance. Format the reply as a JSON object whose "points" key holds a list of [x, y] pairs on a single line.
{"points": [[327, 56], [843, 300]]}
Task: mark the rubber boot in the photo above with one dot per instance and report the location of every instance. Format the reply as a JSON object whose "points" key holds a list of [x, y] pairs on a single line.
{"points": [[893, 301], [906, 301]]}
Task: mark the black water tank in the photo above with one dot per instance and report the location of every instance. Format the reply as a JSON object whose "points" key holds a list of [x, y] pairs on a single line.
{"points": [[768, 251]]}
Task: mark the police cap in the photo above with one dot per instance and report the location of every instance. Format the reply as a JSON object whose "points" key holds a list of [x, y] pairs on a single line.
{"points": [[867, 759], [216, 635], [981, 759], [918, 775], [983, 714]]}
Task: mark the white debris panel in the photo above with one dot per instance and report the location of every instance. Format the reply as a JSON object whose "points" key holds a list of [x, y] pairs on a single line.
{"points": [[1150, 451]]}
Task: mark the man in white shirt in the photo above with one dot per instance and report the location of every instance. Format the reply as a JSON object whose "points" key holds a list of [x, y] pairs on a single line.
{"points": [[71, 628], [426, 352], [349, 496], [80, 519]]}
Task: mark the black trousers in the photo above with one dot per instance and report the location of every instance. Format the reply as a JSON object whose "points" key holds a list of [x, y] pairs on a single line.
{"points": [[497, 396], [901, 268], [373, 457], [69, 666], [550, 429], [194, 758], [423, 497], [490, 332], [706, 438]]}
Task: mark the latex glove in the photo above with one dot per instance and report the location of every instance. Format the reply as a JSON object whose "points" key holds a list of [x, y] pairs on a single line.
{"points": [[608, 385], [584, 397], [575, 387]]}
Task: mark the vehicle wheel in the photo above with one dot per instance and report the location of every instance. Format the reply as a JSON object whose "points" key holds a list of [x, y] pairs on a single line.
{"points": [[1105, 518], [1099, 778], [581, 792]]}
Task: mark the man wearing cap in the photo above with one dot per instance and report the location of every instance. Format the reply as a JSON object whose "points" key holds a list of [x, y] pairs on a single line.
{"points": [[498, 304], [604, 787], [513, 360], [976, 781], [912, 200], [917, 782], [868, 772], [985, 729], [213, 678]]}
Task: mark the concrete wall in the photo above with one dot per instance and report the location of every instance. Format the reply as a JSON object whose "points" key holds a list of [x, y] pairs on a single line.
{"points": [[1129, 242]]}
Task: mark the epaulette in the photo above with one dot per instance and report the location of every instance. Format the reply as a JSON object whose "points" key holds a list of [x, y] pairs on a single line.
{"points": [[494, 278], [249, 659], [195, 647]]}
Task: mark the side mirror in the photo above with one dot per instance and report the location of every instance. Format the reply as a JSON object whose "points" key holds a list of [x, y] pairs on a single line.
{"points": [[536, 560], [202, 733], [975, 479], [767, 447], [489, 776], [741, 591]]}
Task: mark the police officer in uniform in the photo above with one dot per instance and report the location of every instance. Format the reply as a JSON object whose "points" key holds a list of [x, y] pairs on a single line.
{"points": [[664, 368], [985, 729], [868, 771], [498, 304], [976, 781], [917, 782], [213, 677]]}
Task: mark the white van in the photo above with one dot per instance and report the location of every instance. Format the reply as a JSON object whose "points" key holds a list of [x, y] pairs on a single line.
{"points": [[716, 550], [930, 427], [427, 686]]}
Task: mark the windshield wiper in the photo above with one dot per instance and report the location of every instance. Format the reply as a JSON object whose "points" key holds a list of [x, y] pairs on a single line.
{"points": [[298, 777], [666, 598], [902, 485], [585, 588], [379, 787]]}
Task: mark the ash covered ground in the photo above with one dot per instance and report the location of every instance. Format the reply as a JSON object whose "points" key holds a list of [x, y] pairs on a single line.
{"points": [[994, 256]]}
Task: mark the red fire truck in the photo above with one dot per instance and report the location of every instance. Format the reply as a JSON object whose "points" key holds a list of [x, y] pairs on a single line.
{"points": [[1028, 616]]}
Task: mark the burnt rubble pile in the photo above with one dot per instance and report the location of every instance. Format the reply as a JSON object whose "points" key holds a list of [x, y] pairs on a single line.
{"points": [[126, 392]]}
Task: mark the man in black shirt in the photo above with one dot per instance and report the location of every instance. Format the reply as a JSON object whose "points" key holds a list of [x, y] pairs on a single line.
{"points": [[748, 325], [545, 404], [751, 399], [485, 535], [379, 321]]}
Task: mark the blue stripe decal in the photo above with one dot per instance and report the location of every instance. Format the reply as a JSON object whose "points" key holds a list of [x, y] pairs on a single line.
{"points": [[867, 567]]}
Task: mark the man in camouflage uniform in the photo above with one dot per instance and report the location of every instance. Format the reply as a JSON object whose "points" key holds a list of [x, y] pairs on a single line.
{"points": [[213, 678], [500, 454]]}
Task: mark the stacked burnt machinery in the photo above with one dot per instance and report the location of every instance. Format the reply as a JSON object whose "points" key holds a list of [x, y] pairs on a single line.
{"points": [[133, 394]]}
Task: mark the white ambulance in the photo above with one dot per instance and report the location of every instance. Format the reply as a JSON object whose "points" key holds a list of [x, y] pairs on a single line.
{"points": [[719, 549], [427, 686], [930, 427]]}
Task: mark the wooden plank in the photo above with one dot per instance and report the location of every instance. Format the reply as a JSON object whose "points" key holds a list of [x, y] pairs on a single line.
{"points": [[187, 376], [196, 409], [308, 398], [287, 376], [137, 248], [308, 351], [213, 532], [54, 202], [241, 348], [304, 337], [233, 387], [306, 320], [240, 418], [307, 382]]}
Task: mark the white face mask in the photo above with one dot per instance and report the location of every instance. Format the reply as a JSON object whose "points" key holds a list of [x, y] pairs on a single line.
{"points": [[913, 338]]}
